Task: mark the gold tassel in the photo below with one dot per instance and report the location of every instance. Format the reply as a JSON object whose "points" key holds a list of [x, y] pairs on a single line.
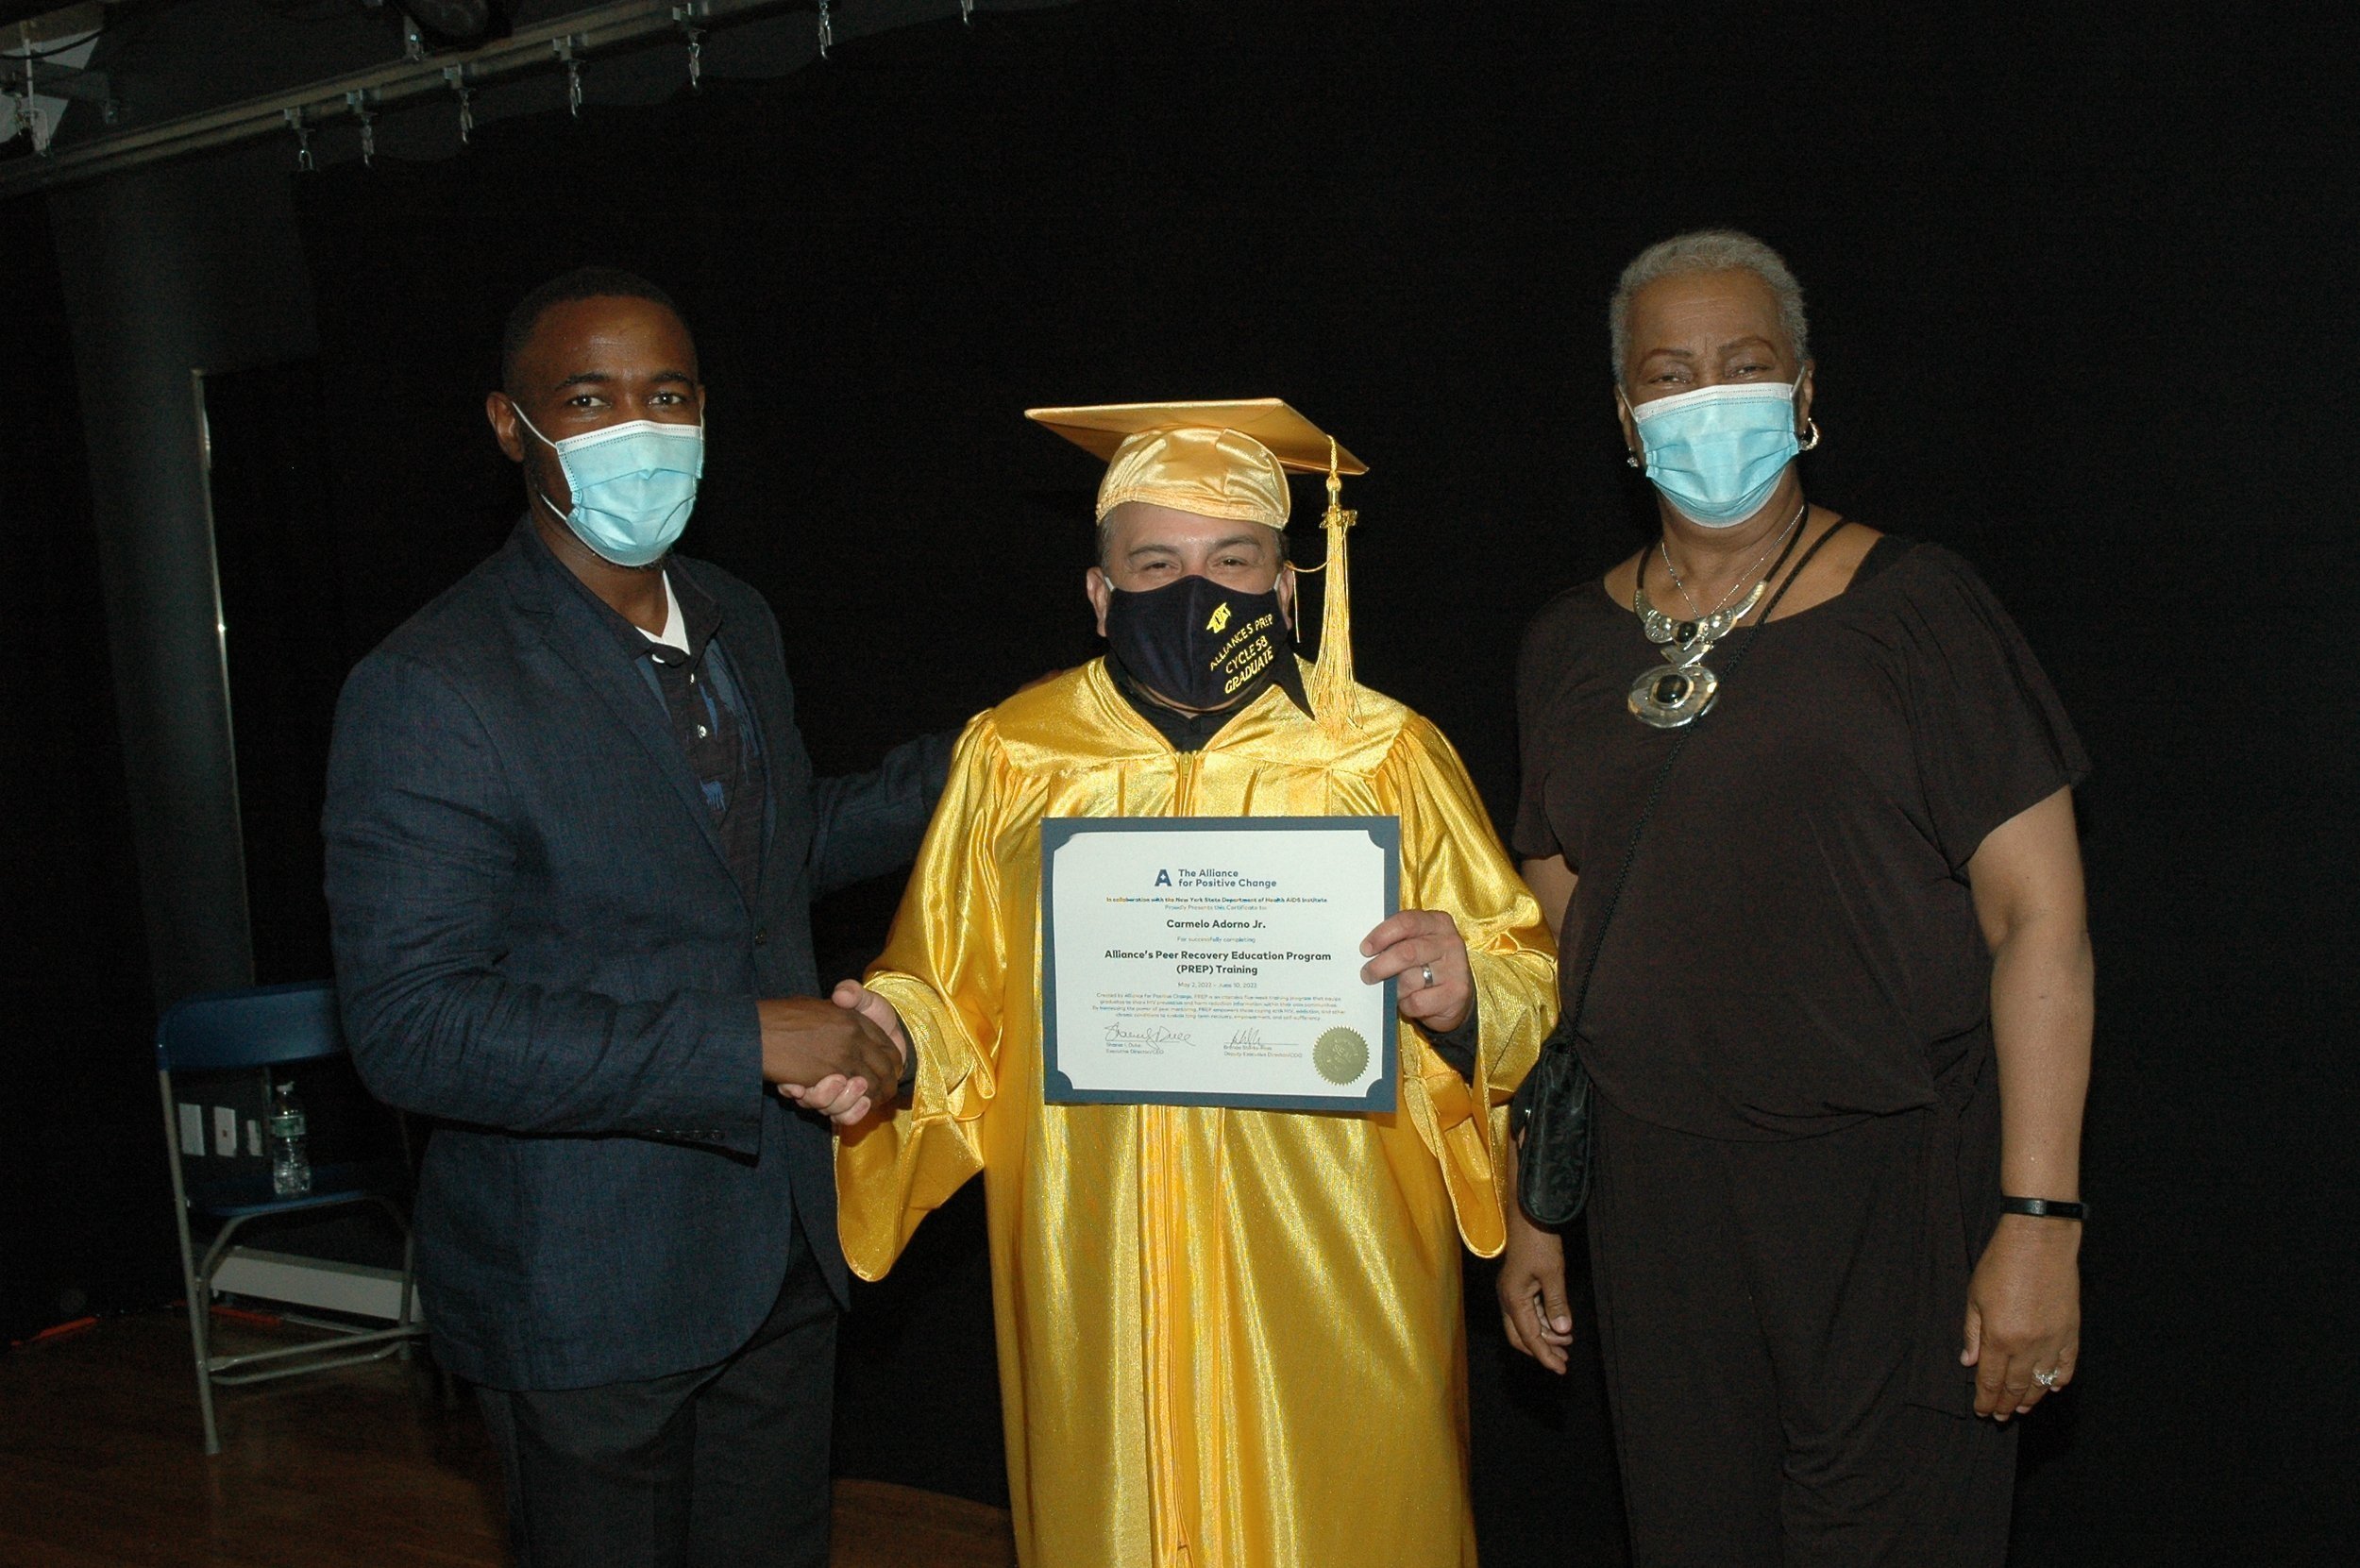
{"points": [[1331, 691]]}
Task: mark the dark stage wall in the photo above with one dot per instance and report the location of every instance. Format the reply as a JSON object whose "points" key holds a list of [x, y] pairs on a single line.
{"points": [[2082, 305], [83, 1220]]}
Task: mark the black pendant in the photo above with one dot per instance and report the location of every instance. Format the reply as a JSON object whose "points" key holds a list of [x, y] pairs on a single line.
{"points": [[1668, 699]]}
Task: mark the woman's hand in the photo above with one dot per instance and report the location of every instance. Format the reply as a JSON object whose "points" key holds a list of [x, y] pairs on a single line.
{"points": [[1532, 1286], [2024, 1306], [1423, 950], [2023, 1314]]}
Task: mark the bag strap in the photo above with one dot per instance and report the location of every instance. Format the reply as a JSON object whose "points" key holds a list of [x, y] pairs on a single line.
{"points": [[1572, 1027]]}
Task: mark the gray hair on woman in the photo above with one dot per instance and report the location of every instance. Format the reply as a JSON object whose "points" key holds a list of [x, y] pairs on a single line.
{"points": [[1708, 250]]}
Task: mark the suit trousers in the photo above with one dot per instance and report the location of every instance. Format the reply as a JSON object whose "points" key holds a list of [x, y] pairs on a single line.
{"points": [[1763, 1312], [723, 1466]]}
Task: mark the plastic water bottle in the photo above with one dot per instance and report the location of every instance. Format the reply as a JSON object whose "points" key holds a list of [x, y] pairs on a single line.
{"points": [[290, 1155]]}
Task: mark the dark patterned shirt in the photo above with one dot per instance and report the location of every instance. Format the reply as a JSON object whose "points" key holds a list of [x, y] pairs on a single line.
{"points": [[703, 704]]}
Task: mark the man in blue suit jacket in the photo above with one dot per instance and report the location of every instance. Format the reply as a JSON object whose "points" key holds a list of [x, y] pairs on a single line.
{"points": [[573, 838]]}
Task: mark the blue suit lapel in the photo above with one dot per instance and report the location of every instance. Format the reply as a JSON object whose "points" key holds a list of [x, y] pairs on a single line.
{"points": [[574, 631]]}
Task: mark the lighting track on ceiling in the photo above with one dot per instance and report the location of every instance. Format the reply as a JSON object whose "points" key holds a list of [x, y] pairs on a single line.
{"points": [[362, 96]]}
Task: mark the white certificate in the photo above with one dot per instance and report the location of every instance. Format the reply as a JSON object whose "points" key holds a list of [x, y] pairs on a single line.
{"points": [[1216, 961]]}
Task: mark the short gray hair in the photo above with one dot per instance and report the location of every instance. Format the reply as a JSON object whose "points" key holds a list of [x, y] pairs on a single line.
{"points": [[1708, 250]]}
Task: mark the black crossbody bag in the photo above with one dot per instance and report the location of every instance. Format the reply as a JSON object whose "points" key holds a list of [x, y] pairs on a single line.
{"points": [[1554, 1102]]}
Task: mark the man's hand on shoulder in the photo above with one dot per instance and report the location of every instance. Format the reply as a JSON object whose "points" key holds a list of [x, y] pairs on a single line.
{"points": [[829, 1059]]}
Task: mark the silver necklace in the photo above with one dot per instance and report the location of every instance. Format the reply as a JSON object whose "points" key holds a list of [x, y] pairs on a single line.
{"points": [[1668, 699], [1674, 572]]}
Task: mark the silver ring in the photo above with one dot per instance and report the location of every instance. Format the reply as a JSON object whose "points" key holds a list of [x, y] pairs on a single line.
{"points": [[2045, 1379], [1427, 971]]}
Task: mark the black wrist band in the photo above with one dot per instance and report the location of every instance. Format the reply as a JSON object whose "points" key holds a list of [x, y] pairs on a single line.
{"points": [[2043, 1208]]}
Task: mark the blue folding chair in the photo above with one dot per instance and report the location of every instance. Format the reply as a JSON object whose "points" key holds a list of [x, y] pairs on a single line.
{"points": [[264, 1027]]}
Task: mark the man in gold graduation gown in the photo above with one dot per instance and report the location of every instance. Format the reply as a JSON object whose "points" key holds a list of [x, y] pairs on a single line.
{"points": [[1228, 1339]]}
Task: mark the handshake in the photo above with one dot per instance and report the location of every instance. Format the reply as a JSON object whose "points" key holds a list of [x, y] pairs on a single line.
{"points": [[840, 1056]]}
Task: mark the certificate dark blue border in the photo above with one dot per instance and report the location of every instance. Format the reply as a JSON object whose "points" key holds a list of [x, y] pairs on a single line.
{"points": [[1383, 1095]]}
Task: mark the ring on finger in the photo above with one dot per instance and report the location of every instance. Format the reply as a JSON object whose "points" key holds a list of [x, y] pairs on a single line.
{"points": [[1426, 976], [2048, 1379]]}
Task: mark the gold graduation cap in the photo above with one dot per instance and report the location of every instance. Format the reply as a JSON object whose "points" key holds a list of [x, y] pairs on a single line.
{"points": [[1230, 458]]}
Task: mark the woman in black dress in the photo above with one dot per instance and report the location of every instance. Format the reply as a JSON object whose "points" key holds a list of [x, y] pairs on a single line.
{"points": [[1839, 1023]]}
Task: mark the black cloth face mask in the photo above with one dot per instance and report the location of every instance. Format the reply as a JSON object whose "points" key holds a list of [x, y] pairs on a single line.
{"points": [[1197, 643]]}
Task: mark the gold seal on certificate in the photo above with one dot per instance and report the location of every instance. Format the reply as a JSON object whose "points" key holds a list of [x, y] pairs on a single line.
{"points": [[1216, 961], [1341, 1055]]}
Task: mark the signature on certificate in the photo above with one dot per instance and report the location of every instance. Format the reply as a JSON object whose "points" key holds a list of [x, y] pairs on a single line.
{"points": [[1143, 1037]]}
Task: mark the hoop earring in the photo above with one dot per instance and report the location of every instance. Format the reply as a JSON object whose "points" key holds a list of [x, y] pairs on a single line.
{"points": [[1813, 441]]}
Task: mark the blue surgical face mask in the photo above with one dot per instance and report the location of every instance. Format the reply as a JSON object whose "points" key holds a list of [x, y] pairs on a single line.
{"points": [[633, 485], [1716, 453]]}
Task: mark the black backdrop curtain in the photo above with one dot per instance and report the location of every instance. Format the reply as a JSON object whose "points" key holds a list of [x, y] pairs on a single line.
{"points": [[2079, 295], [83, 1223]]}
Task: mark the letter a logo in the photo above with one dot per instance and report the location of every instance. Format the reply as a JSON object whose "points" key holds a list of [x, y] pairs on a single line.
{"points": [[1220, 620], [1163, 879]]}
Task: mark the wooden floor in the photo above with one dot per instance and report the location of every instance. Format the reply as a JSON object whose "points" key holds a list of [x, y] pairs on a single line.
{"points": [[102, 1466]]}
